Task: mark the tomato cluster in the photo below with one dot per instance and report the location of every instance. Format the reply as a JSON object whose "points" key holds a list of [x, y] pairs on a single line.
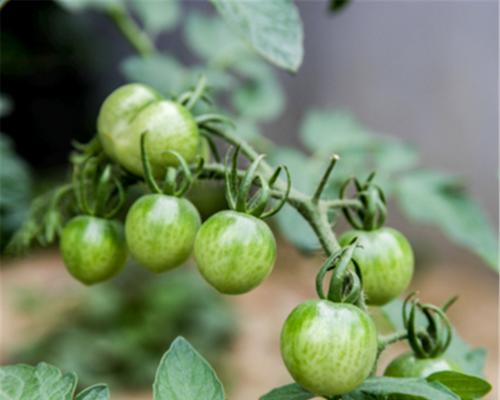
{"points": [[329, 346]]}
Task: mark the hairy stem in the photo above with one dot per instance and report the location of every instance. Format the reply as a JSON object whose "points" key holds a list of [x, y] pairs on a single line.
{"points": [[139, 40]]}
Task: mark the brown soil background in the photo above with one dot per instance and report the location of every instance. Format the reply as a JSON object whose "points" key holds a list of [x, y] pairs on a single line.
{"points": [[254, 362]]}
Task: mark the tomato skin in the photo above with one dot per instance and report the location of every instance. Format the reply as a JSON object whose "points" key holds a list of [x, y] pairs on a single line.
{"points": [[135, 108], [93, 249], [407, 365], [160, 231], [386, 262], [328, 348], [234, 252]]}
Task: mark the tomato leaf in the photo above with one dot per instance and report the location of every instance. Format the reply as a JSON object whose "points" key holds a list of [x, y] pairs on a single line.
{"points": [[201, 31], [468, 387], [260, 97], [153, 70], [95, 392], [291, 391], [470, 360], [24, 382], [183, 374], [273, 28], [439, 199], [385, 386], [157, 15]]}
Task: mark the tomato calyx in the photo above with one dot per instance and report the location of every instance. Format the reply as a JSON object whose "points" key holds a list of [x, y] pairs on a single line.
{"points": [[239, 187], [97, 189], [177, 181], [373, 211], [433, 340], [345, 285]]}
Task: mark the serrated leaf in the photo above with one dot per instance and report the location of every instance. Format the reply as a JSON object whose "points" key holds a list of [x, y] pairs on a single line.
{"points": [[183, 374], [467, 387], [386, 386], [291, 391], [95, 392], [470, 360], [273, 28], [161, 72], [440, 200], [201, 31], [24, 382], [157, 15]]}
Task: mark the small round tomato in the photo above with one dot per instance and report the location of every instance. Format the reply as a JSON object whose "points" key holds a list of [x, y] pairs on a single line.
{"points": [[234, 251], [93, 249], [407, 365], [134, 109], [328, 348], [386, 262], [160, 231]]}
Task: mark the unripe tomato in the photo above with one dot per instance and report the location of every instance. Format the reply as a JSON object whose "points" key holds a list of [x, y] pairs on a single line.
{"points": [[407, 365], [328, 348], [160, 231], [93, 249], [134, 109], [386, 261], [234, 252]]}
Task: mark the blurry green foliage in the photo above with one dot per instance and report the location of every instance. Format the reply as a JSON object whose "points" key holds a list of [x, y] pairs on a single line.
{"points": [[15, 184], [119, 330], [428, 197]]}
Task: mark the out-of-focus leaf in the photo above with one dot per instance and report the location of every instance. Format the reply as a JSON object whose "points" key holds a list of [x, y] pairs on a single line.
{"points": [[5, 105], [15, 190], [327, 132], [80, 5], [130, 321], [157, 15], [386, 386], [273, 28], [438, 199], [183, 374], [162, 72], [288, 392], [260, 97], [338, 5], [393, 156], [201, 32], [24, 382], [96, 392], [470, 360], [467, 387]]}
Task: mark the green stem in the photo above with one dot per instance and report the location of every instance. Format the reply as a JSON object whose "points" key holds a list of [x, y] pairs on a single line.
{"points": [[385, 341], [132, 32]]}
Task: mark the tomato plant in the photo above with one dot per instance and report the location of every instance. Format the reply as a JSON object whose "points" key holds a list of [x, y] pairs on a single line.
{"points": [[159, 143]]}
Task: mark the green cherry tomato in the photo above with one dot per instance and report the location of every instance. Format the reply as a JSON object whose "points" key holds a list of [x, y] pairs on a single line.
{"points": [[160, 231], [133, 109], [328, 348], [93, 249], [234, 252], [386, 262], [407, 365]]}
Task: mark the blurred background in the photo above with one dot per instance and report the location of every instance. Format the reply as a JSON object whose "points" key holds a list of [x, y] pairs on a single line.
{"points": [[414, 82]]}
